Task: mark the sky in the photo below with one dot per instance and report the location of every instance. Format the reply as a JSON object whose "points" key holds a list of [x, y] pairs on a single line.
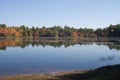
{"points": [[74, 13]]}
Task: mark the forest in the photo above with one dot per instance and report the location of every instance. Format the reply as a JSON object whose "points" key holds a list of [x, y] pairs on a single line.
{"points": [[58, 31]]}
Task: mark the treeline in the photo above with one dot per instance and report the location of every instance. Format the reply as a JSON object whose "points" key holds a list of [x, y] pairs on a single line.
{"points": [[111, 31], [58, 31]]}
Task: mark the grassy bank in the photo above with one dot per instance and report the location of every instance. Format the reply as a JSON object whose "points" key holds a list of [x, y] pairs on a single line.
{"points": [[103, 73]]}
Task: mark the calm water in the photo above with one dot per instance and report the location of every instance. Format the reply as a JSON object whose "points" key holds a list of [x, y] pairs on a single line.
{"points": [[28, 56]]}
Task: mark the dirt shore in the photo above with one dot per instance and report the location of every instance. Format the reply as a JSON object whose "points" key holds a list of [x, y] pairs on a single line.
{"points": [[103, 73]]}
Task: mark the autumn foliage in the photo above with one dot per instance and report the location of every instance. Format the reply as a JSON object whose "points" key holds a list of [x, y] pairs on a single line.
{"points": [[58, 31]]}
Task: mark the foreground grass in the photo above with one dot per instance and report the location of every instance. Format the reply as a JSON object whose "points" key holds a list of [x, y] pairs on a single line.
{"points": [[104, 73]]}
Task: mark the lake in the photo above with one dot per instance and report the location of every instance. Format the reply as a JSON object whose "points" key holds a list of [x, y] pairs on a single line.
{"points": [[47, 55]]}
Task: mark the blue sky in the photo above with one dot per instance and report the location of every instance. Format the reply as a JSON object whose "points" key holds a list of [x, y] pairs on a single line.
{"points": [[74, 13]]}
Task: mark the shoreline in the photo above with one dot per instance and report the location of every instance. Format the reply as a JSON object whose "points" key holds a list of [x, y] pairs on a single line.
{"points": [[42, 75], [111, 72]]}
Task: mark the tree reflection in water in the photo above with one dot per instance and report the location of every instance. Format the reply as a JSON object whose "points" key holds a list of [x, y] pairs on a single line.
{"points": [[112, 43]]}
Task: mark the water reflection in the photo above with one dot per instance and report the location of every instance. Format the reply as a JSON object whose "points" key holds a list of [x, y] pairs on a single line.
{"points": [[112, 43], [43, 55], [109, 58]]}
